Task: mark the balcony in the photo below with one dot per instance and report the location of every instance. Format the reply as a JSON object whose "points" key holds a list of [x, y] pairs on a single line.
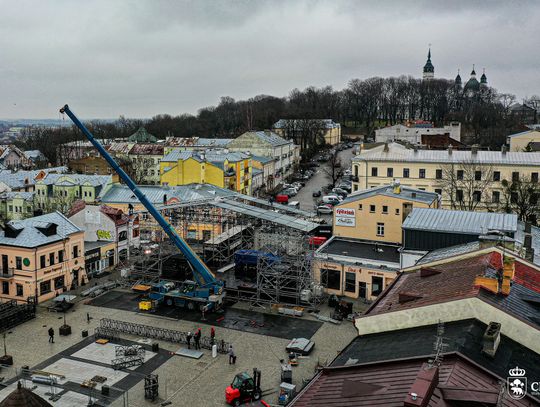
{"points": [[7, 272]]}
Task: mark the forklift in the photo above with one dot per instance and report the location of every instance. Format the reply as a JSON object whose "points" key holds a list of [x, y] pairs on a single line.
{"points": [[244, 389]]}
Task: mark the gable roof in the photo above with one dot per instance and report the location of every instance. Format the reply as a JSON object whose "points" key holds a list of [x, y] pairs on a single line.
{"points": [[142, 136], [265, 137], [466, 222], [326, 123]]}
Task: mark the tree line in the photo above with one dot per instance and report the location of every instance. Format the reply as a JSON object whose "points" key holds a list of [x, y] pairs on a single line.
{"points": [[361, 107]]}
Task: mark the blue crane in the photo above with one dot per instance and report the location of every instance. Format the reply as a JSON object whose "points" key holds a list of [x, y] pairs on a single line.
{"points": [[207, 291]]}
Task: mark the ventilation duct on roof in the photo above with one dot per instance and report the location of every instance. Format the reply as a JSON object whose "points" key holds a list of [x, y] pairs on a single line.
{"points": [[491, 339]]}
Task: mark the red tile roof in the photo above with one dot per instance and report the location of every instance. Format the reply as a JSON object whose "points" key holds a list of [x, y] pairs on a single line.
{"points": [[389, 384]]}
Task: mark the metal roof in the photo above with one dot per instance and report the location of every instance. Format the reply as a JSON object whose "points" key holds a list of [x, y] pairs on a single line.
{"points": [[27, 196], [408, 193], [448, 221], [327, 123], [399, 153], [30, 236], [267, 137], [213, 156]]}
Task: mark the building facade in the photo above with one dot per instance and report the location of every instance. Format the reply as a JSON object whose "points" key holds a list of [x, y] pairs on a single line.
{"points": [[465, 179], [522, 141], [416, 133], [293, 128], [41, 257]]}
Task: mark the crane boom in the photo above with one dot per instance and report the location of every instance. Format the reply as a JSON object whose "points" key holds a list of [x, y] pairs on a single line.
{"points": [[201, 272]]}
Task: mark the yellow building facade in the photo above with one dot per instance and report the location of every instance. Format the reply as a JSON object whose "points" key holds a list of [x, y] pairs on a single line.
{"points": [[428, 170], [225, 170]]}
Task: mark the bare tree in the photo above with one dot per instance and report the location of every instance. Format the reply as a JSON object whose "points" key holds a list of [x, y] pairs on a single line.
{"points": [[466, 184], [521, 197], [334, 167]]}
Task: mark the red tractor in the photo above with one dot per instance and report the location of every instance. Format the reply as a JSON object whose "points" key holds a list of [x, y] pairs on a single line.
{"points": [[245, 388]]}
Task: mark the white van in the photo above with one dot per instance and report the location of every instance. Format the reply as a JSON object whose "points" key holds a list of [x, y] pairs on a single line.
{"points": [[331, 199], [294, 204]]}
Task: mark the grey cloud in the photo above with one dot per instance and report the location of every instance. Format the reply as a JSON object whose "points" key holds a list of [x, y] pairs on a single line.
{"points": [[141, 58]]}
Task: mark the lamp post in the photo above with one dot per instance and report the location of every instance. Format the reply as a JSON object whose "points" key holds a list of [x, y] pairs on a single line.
{"points": [[6, 359]]}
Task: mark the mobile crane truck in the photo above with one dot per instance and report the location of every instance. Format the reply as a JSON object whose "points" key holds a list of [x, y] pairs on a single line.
{"points": [[206, 293]]}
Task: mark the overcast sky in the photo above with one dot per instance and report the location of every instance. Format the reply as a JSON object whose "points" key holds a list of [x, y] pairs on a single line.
{"points": [[140, 58]]}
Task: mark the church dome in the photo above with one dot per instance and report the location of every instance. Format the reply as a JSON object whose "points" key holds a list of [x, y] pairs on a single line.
{"points": [[472, 85]]}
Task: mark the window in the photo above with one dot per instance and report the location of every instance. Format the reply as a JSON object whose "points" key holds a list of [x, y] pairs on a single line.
{"points": [[5, 287], [18, 263], [372, 208], [534, 199], [355, 187], [42, 263], [122, 236], [350, 282], [397, 211], [496, 175], [514, 197], [331, 279], [478, 175], [390, 172], [45, 287], [385, 209], [51, 259], [438, 174], [75, 251], [60, 256], [58, 282], [374, 171], [496, 197], [135, 232], [438, 191], [534, 177], [477, 196], [405, 173], [360, 207], [11, 208], [459, 174], [380, 229], [376, 285], [459, 195], [422, 173], [356, 170], [19, 289], [515, 176]]}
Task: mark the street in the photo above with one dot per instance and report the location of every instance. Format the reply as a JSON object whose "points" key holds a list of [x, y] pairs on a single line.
{"points": [[318, 181]]}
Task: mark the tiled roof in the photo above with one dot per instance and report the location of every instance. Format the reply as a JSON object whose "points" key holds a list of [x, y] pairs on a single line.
{"points": [[389, 384], [407, 193], [197, 142], [146, 149], [267, 137], [27, 196], [455, 280], [30, 236], [450, 221], [398, 153]]}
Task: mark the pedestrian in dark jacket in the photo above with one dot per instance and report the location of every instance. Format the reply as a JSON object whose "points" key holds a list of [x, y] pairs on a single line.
{"points": [[188, 338], [232, 356], [212, 336], [51, 335], [197, 338]]}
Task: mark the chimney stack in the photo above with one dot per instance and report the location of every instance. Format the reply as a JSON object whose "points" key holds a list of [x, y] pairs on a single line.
{"points": [[422, 389], [503, 149], [396, 187], [450, 149], [386, 148], [491, 339], [474, 149]]}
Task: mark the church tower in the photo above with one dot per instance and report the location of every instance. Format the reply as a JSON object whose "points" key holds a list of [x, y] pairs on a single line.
{"points": [[429, 69], [483, 78]]}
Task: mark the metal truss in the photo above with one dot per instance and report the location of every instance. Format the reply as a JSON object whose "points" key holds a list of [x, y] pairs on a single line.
{"points": [[128, 356], [111, 328]]}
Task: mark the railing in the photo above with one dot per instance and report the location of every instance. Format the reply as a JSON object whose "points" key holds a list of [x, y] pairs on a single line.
{"points": [[7, 272], [110, 328]]}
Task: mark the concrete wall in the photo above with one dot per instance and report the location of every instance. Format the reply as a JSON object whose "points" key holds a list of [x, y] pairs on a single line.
{"points": [[451, 311]]}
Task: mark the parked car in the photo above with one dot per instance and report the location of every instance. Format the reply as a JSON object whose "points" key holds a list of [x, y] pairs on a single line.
{"points": [[331, 199], [346, 187], [324, 209], [294, 204], [316, 194], [282, 198], [340, 192], [290, 192]]}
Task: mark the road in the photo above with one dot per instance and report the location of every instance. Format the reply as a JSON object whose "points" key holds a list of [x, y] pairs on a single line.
{"points": [[319, 180]]}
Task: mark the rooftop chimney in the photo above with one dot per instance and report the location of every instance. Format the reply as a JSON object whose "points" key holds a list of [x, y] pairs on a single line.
{"points": [[415, 148], [503, 149], [422, 389], [491, 339], [450, 149], [507, 275], [527, 245], [474, 149], [386, 148]]}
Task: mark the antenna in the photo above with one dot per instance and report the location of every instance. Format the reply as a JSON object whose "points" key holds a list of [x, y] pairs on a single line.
{"points": [[438, 346]]}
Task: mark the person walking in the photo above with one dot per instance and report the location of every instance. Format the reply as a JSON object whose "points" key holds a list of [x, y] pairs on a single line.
{"points": [[232, 356], [188, 338], [88, 317], [212, 336], [51, 335], [197, 338]]}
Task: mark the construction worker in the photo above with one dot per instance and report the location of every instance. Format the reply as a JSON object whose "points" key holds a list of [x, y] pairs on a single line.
{"points": [[212, 336], [232, 356], [51, 335], [188, 338], [197, 338]]}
